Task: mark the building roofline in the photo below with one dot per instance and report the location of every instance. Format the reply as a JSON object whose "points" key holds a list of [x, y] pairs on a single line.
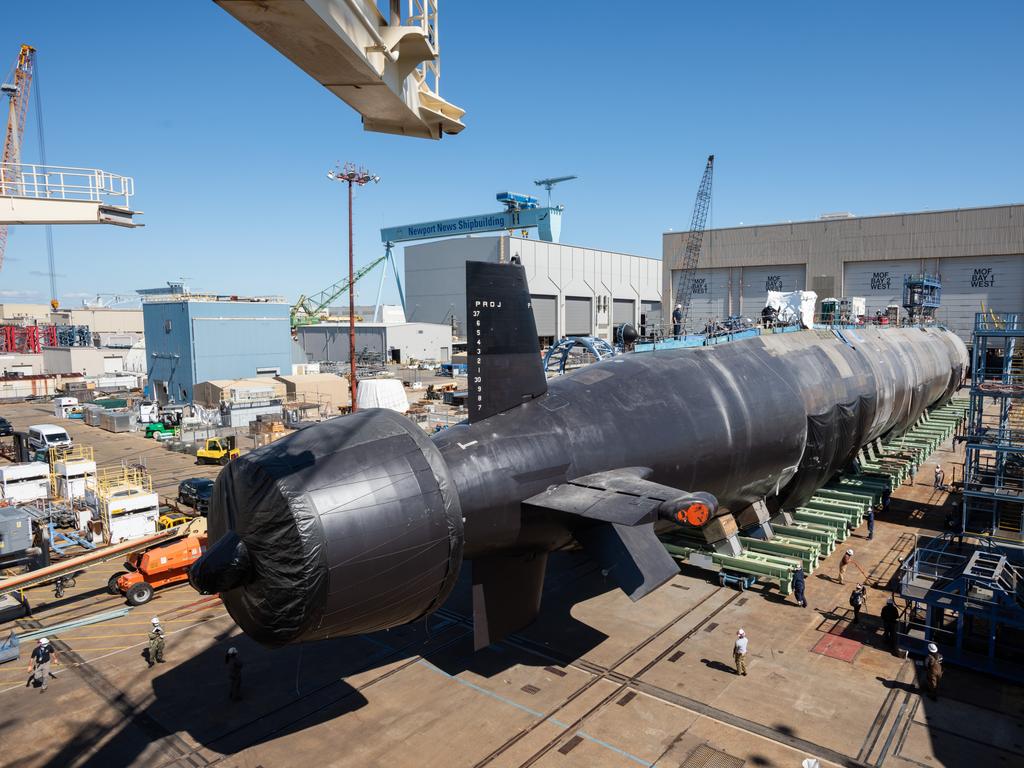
{"points": [[185, 298], [851, 218], [496, 235]]}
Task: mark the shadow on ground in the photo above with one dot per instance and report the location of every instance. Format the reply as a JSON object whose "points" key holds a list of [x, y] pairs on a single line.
{"points": [[294, 688]]}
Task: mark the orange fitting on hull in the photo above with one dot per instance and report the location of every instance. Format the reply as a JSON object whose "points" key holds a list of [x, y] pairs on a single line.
{"points": [[696, 514]]}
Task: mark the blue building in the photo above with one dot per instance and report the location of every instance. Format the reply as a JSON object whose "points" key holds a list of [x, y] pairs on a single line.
{"points": [[193, 338]]}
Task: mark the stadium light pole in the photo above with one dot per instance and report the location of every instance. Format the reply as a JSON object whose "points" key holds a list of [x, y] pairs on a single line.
{"points": [[352, 174]]}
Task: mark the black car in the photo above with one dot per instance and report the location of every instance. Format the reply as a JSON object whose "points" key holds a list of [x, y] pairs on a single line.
{"points": [[5, 427], [195, 492]]}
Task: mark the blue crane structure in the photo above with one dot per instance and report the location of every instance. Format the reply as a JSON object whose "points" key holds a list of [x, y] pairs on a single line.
{"points": [[521, 212]]}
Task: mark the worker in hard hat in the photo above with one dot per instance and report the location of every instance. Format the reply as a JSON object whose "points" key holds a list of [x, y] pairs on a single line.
{"points": [[858, 601], [799, 583], [933, 670], [890, 622], [234, 663], [39, 664], [844, 563], [156, 642], [739, 652], [872, 511], [677, 321]]}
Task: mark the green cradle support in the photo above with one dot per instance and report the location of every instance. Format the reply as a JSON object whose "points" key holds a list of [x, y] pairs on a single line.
{"points": [[822, 535]]}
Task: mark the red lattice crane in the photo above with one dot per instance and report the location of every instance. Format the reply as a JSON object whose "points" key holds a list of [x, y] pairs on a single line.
{"points": [[16, 88]]}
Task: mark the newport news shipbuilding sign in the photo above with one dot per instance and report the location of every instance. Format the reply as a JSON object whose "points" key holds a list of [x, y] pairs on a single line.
{"points": [[547, 220]]}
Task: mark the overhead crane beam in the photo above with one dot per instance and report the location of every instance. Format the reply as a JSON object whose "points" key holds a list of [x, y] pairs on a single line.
{"points": [[387, 69]]}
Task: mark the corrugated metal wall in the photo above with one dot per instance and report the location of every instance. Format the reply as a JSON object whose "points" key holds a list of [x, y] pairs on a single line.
{"points": [[969, 285], [757, 281], [879, 282], [709, 300], [435, 278], [545, 314], [828, 247], [579, 319], [974, 284]]}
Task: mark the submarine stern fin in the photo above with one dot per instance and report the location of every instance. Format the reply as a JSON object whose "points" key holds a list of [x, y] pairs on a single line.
{"points": [[505, 366]]}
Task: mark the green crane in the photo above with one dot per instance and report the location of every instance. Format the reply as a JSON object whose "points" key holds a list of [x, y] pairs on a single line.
{"points": [[306, 311]]}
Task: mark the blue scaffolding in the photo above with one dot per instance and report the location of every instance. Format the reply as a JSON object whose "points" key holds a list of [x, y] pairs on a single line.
{"points": [[993, 491], [966, 595], [922, 295]]}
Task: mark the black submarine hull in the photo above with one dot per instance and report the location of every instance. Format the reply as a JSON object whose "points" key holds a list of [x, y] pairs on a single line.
{"points": [[363, 522]]}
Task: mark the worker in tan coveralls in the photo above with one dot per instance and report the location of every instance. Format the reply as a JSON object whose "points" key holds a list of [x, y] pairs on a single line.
{"points": [[156, 643], [739, 652], [845, 563]]}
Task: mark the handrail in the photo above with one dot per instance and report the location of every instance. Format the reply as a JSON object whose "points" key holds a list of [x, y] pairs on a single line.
{"points": [[51, 182]]}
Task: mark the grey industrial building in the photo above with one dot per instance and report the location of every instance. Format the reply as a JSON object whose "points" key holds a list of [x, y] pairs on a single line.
{"points": [[574, 291], [384, 342], [977, 252]]}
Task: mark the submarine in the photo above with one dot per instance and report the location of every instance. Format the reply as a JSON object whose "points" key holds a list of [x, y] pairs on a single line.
{"points": [[364, 522]]}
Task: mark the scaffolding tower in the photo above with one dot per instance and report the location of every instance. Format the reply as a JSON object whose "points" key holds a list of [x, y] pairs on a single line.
{"points": [[966, 595], [993, 492], [922, 295]]}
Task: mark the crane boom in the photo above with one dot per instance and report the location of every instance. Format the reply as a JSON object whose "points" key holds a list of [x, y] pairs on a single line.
{"points": [[17, 91], [308, 308], [694, 241]]}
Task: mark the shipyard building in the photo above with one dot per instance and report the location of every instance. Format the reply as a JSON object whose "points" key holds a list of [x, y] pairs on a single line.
{"points": [[574, 291], [194, 338], [978, 253]]}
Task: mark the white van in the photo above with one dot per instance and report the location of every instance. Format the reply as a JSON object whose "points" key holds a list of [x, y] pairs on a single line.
{"points": [[43, 437]]}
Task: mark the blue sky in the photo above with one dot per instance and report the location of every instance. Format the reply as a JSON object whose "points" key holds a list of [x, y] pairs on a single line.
{"points": [[809, 107]]}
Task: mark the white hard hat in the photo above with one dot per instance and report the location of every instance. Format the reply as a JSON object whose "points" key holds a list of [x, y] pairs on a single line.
{"points": [[155, 620], [232, 651], [43, 641], [849, 551], [933, 648], [741, 633]]}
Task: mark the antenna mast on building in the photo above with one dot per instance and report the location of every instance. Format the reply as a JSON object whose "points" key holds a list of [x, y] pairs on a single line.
{"points": [[549, 184]]}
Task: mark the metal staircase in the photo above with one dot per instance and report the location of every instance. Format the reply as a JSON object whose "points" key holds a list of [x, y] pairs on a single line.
{"points": [[993, 495]]}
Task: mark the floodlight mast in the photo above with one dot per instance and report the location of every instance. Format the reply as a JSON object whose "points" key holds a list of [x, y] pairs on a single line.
{"points": [[351, 174]]}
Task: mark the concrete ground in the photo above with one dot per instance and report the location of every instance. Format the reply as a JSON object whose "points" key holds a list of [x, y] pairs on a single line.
{"points": [[595, 681]]}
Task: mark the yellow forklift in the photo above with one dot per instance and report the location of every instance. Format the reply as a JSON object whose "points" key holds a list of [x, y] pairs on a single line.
{"points": [[217, 450]]}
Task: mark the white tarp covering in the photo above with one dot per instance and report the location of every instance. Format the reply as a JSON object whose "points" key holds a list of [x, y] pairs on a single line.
{"points": [[794, 306], [382, 393]]}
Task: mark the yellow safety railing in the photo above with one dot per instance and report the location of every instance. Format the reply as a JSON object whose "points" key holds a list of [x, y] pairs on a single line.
{"points": [[74, 453], [111, 479], [67, 455]]}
